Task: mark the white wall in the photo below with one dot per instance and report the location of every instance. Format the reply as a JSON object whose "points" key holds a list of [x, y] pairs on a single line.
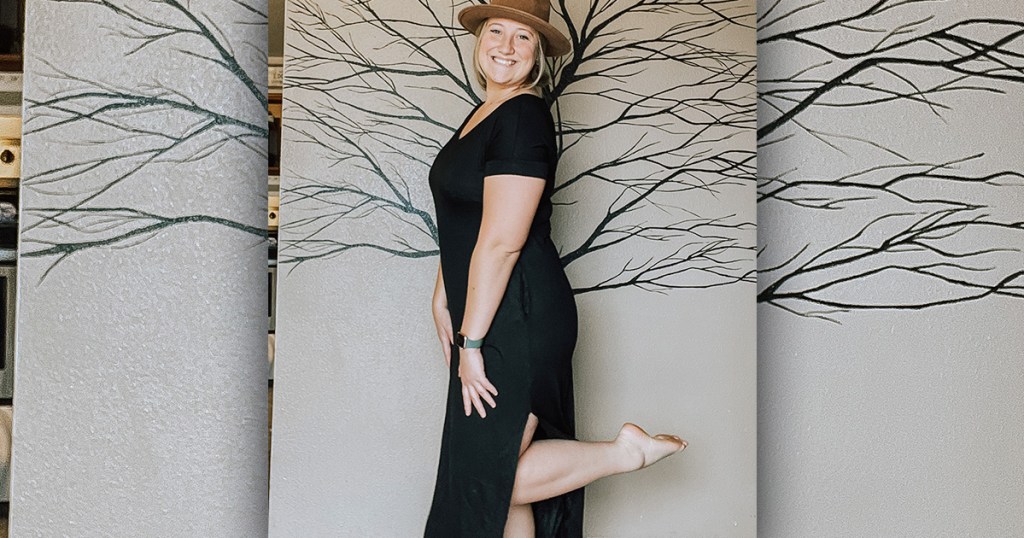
{"points": [[140, 387], [360, 381]]}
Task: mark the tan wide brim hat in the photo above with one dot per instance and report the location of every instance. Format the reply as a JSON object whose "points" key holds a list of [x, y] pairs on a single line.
{"points": [[533, 13]]}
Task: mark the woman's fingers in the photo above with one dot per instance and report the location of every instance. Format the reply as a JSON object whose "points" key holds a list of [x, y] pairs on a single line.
{"points": [[480, 389], [471, 400], [473, 397], [443, 322], [476, 388], [446, 349], [446, 326], [479, 405], [465, 399]]}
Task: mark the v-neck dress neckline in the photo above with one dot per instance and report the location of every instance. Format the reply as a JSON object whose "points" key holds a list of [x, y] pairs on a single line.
{"points": [[460, 135]]}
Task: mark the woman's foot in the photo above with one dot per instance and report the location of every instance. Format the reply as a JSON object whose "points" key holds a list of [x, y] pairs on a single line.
{"points": [[643, 450]]}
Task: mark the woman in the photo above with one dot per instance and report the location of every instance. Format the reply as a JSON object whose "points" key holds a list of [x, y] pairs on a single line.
{"points": [[509, 462]]}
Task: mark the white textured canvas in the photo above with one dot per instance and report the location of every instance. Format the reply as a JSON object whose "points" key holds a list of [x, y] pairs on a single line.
{"points": [[890, 210], [140, 386], [660, 143]]}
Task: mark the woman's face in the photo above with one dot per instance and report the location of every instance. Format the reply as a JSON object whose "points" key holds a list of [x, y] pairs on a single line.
{"points": [[507, 52]]}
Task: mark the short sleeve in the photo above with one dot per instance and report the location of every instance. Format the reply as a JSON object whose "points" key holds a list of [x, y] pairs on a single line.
{"points": [[522, 140]]}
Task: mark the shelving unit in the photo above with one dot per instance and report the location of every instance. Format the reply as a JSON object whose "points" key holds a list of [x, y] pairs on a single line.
{"points": [[12, 19], [12, 23], [10, 133], [274, 114]]}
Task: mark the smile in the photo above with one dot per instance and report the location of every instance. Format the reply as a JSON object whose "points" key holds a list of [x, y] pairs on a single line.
{"points": [[502, 61]]}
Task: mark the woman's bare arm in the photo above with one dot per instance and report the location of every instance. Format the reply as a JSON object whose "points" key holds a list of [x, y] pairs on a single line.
{"points": [[510, 203]]}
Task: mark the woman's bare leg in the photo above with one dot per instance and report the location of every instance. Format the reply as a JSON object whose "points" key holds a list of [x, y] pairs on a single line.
{"points": [[520, 516], [520, 521], [551, 467]]}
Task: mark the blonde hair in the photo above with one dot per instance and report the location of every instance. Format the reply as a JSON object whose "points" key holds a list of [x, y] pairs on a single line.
{"points": [[540, 73]]}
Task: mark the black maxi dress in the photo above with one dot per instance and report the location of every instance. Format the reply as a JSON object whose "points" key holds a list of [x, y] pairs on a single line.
{"points": [[528, 348]]}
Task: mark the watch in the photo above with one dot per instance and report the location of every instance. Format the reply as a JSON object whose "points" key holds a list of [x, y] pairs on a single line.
{"points": [[466, 343]]}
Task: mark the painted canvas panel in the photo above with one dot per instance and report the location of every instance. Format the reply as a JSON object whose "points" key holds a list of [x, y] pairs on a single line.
{"points": [[890, 201], [654, 222]]}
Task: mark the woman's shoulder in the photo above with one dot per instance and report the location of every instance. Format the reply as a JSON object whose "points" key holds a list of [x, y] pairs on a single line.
{"points": [[529, 103], [526, 110]]}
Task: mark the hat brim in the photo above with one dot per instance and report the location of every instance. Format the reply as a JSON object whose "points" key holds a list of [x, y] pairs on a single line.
{"points": [[556, 44]]}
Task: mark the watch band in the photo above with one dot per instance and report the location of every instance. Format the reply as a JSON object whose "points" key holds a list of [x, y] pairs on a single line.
{"points": [[467, 343]]}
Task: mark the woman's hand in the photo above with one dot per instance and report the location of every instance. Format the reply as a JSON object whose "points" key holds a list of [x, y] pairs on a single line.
{"points": [[442, 318], [476, 389], [443, 322]]}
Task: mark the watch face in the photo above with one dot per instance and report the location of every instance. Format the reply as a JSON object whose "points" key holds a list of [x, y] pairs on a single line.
{"points": [[466, 343]]}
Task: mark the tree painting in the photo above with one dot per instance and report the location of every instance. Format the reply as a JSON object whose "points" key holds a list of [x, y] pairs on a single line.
{"points": [[916, 232], [654, 111], [105, 133]]}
